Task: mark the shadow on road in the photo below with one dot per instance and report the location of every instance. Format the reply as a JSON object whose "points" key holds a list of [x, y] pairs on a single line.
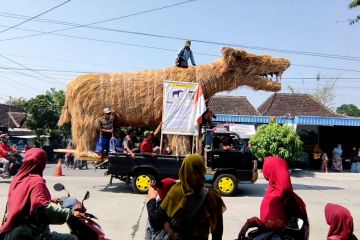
{"points": [[6, 180], [259, 189], [118, 188], [298, 173], [314, 187], [251, 190]]}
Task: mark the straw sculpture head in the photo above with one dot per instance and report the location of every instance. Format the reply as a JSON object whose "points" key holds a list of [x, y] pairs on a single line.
{"points": [[136, 97]]}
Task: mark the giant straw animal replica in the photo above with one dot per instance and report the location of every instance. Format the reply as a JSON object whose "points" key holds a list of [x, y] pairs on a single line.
{"points": [[137, 97]]}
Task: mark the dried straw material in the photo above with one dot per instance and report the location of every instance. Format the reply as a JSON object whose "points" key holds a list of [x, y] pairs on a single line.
{"points": [[137, 97]]}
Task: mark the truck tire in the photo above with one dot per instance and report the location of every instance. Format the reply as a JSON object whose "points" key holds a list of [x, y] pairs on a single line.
{"points": [[226, 184], [141, 182]]}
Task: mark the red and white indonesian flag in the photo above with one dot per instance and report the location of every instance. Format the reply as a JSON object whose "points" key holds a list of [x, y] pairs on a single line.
{"points": [[199, 106]]}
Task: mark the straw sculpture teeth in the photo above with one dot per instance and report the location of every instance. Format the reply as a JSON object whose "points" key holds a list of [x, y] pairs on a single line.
{"points": [[136, 97]]}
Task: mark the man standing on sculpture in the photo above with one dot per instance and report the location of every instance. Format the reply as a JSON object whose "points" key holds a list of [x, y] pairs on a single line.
{"points": [[183, 56], [106, 123]]}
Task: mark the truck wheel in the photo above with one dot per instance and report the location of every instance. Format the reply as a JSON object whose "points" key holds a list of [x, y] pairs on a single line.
{"points": [[141, 182], [226, 184]]}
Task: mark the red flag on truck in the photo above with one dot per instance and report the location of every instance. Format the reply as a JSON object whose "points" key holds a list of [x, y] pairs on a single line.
{"points": [[200, 106]]}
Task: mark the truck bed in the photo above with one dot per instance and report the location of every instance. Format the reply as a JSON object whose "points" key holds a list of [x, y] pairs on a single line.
{"points": [[160, 166]]}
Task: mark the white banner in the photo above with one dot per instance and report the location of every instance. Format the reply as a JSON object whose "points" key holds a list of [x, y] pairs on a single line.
{"points": [[178, 105], [244, 130]]}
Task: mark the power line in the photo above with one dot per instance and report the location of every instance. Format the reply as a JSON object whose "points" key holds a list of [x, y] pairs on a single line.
{"points": [[69, 77], [175, 50], [30, 69], [89, 25], [69, 61], [2, 66], [75, 25], [308, 53], [84, 72], [19, 84], [329, 68], [31, 18]]}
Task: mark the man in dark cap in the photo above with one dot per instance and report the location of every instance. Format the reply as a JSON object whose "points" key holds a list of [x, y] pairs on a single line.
{"points": [[183, 56]]}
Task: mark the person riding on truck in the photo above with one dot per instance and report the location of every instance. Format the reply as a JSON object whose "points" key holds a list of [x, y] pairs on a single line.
{"points": [[4, 154], [116, 142], [130, 147], [147, 145], [183, 56], [106, 123]]}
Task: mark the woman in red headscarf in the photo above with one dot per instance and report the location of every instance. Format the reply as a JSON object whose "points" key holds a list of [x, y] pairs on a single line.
{"points": [[340, 221], [280, 203], [156, 194], [29, 209]]}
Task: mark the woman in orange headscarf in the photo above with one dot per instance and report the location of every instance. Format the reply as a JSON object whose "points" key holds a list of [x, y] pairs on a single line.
{"points": [[191, 211]]}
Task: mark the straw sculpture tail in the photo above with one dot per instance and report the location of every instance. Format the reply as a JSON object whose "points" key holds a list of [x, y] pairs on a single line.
{"points": [[137, 97]]}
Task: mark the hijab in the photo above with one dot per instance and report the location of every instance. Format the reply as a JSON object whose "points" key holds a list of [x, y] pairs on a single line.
{"points": [[192, 181], [165, 187], [280, 199], [340, 221], [27, 190]]}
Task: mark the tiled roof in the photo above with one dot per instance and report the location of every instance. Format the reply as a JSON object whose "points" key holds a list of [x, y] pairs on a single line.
{"points": [[18, 119], [11, 116], [232, 105], [294, 104]]}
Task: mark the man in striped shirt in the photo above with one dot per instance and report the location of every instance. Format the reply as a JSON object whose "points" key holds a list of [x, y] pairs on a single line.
{"points": [[106, 123]]}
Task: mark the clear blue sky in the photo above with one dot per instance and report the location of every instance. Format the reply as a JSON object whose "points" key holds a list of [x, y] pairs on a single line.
{"points": [[306, 25]]}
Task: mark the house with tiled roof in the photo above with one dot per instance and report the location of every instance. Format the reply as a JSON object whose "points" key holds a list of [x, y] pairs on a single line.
{"points": [[228, 107], [232, 105], [314, 122], [11, 117], [294, 104]]}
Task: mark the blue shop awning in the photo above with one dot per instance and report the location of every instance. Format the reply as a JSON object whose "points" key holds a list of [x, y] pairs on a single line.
{"points": [[327, 121], [242, 119], [298, 120]]}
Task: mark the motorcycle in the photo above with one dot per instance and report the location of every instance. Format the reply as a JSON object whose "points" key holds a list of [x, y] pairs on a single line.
{"points": [[295, 229], [16, 161], [84, 227]]}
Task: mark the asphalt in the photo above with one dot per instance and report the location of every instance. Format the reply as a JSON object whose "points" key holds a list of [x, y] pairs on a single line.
{"points": [[122, 214]]}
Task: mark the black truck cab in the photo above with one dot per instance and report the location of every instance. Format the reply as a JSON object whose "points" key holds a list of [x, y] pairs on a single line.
{"points": [[229, 161]]}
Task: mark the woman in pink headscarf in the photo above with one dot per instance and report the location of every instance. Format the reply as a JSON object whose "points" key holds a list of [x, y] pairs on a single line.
{"points": [[29, 209], [340, 221]]}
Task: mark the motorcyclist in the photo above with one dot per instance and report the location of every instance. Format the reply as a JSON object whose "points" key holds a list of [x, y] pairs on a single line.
{"points": [[5, 148], [30, 208]]}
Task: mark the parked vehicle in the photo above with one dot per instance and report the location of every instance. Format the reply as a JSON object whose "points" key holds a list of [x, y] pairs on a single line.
{"points": [[85, 228], [295, 229], [16, 160], [225, 168]]}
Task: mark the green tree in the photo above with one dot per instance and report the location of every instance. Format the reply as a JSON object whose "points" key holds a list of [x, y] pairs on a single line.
{"points": [[44, 112], [276, 140], [17, 102], [349, 109], [354, 4]]}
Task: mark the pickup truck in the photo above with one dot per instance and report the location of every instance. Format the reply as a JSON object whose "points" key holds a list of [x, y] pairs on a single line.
{"points": [[224, 168]]}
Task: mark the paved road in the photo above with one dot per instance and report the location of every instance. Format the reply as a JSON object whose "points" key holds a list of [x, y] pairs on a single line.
{"points": [[122, 214]]}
